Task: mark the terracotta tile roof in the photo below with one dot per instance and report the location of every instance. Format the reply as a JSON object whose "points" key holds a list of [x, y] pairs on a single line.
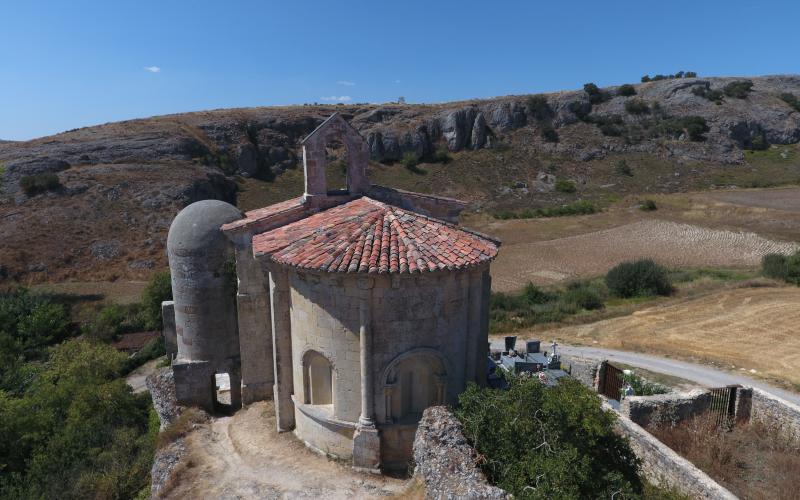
{"points": [[262, 213], [367, 236]]}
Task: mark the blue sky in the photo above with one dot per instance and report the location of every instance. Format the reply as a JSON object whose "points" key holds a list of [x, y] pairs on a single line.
{"points": [[69, 64]]}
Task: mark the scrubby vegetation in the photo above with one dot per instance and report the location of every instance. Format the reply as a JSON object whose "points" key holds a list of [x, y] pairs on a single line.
{"points": [[648, 206], [548, 442], [739, 89], [637, 107], [641, 278], [70, 427], [679, 74], [534, 305], [582, 207], [791, 100], [596, 96], [642, 387], [782, 267], [621, 167], [715, 96], [626, 90], [565, 186], [539, 108], [549, 133], [411, 162], [39, 183]]}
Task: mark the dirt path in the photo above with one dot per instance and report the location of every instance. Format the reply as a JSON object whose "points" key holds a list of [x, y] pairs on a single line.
{"points": [[244, 457], [137, 378]]}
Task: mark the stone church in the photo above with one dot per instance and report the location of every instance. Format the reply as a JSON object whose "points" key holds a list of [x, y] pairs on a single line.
{"points": [[354, 309]]}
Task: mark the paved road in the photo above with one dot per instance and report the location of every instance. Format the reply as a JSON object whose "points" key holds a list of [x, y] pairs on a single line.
{"points": [[697, 373]]}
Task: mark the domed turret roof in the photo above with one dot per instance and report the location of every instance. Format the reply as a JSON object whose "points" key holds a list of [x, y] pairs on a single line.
{"points": [[198, 225]]}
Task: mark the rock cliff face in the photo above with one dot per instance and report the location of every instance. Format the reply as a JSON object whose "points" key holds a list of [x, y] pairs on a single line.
{"points": [[120, 184]]}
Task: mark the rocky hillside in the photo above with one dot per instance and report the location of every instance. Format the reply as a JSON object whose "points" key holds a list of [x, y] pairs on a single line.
{"points": [[95, 203]]}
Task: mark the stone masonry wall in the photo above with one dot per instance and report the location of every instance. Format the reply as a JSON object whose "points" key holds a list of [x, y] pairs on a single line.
{"points": [[667, 409], [775, 412], [582, 369], [445, 462]]}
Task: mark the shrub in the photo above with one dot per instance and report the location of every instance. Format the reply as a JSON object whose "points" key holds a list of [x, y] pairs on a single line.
{"points": [[775, 265], [793, 273], [583, 295], [791, 100], [694, 126], [645, 78], [640, 278], [581, 207], [39, 183], [712, 95], [739, 89], [622, 168], [596, 96], [108, 324], [565, 186], [648, 206], [690, 74], [539, 108], [637, 107], [441, 155], [642, 387], [580, 109], [626, 90], [158, 289], [549, 134], [411, 162], [535, 295], [557, 438]]}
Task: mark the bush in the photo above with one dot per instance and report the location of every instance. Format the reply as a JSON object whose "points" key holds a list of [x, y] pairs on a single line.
{"points": [[556, 438], [642, 387], [535, 295], [39, 183], [645, 79], [580, 109], [583, 295], [775, 265], [637, 107], [565, 186], [715, 96], [581, 207], [626, 90], [622, 168], [441, 156], [739, 89], [549, 134], [539, 108], [596, 96], [411, 162], [158, 290], [108, 324], [648, 206], [791, 100], [694, 126], [640, 278]]}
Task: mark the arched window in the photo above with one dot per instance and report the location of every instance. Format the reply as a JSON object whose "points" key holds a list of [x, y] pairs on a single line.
{"points": [[318, 381], [414, 382]]}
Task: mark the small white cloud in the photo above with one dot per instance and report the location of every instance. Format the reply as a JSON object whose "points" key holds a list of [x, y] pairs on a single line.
{"points": [[346, 83], [153, 69], [337, 98], [397, 81]]}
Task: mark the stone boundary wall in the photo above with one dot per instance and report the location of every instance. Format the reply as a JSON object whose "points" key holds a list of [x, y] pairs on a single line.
{"points": [[661, 465], [445, 461], [584, 370], [775, 412], [669, 409]]}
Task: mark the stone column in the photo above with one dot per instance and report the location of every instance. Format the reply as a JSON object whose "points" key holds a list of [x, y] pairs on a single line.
{"points": [[255, 325], [169, 332], [366, 442], [282, 347]]}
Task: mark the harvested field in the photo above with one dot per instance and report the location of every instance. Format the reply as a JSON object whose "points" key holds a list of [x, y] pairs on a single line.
{"points": [[243, 456], [669, 243], [776, 199], [750, 329]]}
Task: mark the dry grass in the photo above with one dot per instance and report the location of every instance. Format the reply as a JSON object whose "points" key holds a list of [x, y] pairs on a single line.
{"points": [[751, 460], [188, 420], [749, 328]]}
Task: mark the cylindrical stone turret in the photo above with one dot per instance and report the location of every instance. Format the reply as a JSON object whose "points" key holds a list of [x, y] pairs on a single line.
{"points": [[203, 283]]}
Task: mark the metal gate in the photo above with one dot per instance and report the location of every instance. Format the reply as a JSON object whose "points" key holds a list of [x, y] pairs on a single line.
{"points": [[612, 382], [723, 404]]}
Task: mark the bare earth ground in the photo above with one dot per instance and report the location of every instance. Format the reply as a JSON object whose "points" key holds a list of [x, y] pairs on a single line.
{"points": [[743, 329], [242, 456], [725, 229]]}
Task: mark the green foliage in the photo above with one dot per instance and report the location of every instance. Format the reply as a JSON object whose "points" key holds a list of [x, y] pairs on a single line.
{"points": [[694, 126], [648, 206], [548, 442], [596, 96], [581, 109], [715, 96], [622, 168], [787, 97], [539, 108], [411, 162], [739, 89], [626, 90], [640, 278], [637, 107], [108, 324], [581, 207], [158, 290], [152, 350], [565, 186], [549, 134], [78, 431], [583, 295], [642, 387], [442, 156], [535, 295], [39, 183], [776, 266]]}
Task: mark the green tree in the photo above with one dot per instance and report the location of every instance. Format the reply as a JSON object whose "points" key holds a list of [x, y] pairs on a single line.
{"points": [[626, 90], [158, 289], [556, 442]]}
